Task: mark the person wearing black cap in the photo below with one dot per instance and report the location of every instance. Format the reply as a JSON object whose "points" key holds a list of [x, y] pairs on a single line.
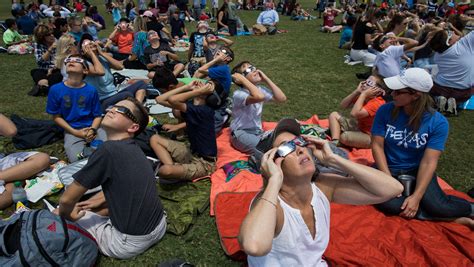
{"points": [[295, 200]]}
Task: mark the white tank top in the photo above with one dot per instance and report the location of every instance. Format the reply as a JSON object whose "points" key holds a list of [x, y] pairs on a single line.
{"points": [[294, 246]]}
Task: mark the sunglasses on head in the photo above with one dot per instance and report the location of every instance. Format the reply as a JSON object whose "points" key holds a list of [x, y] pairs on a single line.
{"points": [[450, 34], [249, 70], [124, 111], [290, 146]]}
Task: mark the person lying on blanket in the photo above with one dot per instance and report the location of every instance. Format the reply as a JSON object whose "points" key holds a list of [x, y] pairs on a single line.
{"points": [[294, 205], [196, 103], [248, 102], [126, 217], [408, 137], [365, 100], [17, 166]]}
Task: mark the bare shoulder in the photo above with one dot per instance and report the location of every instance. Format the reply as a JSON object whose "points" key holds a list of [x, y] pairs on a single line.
{"points": [[327, 183]]}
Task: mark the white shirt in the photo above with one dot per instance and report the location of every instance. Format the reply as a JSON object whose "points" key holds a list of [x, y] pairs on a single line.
{"points": [[388, 61], [456, 64], [294, 246], [248, 116]]}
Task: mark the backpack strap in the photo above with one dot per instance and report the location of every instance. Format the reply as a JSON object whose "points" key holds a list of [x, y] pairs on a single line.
{"points": [[20, 248], [66, 234], [38, 243]]}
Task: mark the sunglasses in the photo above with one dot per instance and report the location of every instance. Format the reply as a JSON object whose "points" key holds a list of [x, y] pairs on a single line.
{"points": [[290, 146], [450, 35], [124, 111], [75, 60], [249, 70], [399, 92]]}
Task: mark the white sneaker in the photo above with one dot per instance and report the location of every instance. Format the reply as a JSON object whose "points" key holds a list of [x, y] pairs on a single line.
{"points": [[441, 103], [452, 109]]}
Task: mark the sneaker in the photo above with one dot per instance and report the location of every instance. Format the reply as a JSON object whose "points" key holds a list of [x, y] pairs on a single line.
{"points": [[452, 109], [441, 103]]}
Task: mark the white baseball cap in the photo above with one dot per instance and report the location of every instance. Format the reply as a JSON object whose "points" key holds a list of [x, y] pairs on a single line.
{"points": [[147, 13], [415, 78]]}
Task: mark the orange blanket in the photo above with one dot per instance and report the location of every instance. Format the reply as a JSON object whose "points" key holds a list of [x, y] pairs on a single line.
{"points": [[360, 235], [246, 181], [363, 236]]}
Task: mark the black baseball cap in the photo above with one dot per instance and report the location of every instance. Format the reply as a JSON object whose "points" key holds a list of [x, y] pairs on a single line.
{"points": [[289, 125]]}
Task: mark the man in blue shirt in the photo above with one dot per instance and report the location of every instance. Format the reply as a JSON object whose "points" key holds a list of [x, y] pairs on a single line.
{"points": [[25, 23], [269, 18]]}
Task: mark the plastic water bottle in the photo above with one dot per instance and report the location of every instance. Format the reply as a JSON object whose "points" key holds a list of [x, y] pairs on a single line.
{"points": [[19, 194], [95, 144], [89, 149]]}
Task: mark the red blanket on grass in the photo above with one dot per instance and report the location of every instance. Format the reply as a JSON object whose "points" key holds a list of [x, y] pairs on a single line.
{"points": [[360, 235], [246, 181]]}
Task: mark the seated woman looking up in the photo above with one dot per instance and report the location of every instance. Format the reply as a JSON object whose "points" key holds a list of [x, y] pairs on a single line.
{"points": [[288, 224], [408, 137]]}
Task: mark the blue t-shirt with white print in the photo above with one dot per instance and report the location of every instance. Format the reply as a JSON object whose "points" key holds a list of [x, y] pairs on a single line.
{"points": [[404, 148]]}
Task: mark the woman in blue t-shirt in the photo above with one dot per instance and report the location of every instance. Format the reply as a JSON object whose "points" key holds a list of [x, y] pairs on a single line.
{"points": [[408, 138]]}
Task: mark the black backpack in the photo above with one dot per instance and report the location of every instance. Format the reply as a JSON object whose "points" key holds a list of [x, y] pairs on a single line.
{"points": [[33, 133]]}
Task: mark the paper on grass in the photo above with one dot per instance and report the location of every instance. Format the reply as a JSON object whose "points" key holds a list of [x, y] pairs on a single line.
{"points": [[39, 190], [155, 108]]}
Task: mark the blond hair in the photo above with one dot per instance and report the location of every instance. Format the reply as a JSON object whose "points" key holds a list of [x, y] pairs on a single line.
{"points": [[139, 24], [63, 49]]}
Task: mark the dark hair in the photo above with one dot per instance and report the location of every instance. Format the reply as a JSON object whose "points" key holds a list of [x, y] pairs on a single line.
{"points": [[56, 14], [378, 41], [85, 36], [438, 42], [85, 65], [60, 22], [218, 98], [457, 21], [163, 78], [124, 19], [351, 20], [91, 11], [41, 32], [9, 23], [229, 53], [223, 8], [140, 113], [239, 65], [397, 19]]}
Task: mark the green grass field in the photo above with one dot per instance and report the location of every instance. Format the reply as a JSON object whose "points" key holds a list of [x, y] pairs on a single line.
{"points": [[305, 63]]}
